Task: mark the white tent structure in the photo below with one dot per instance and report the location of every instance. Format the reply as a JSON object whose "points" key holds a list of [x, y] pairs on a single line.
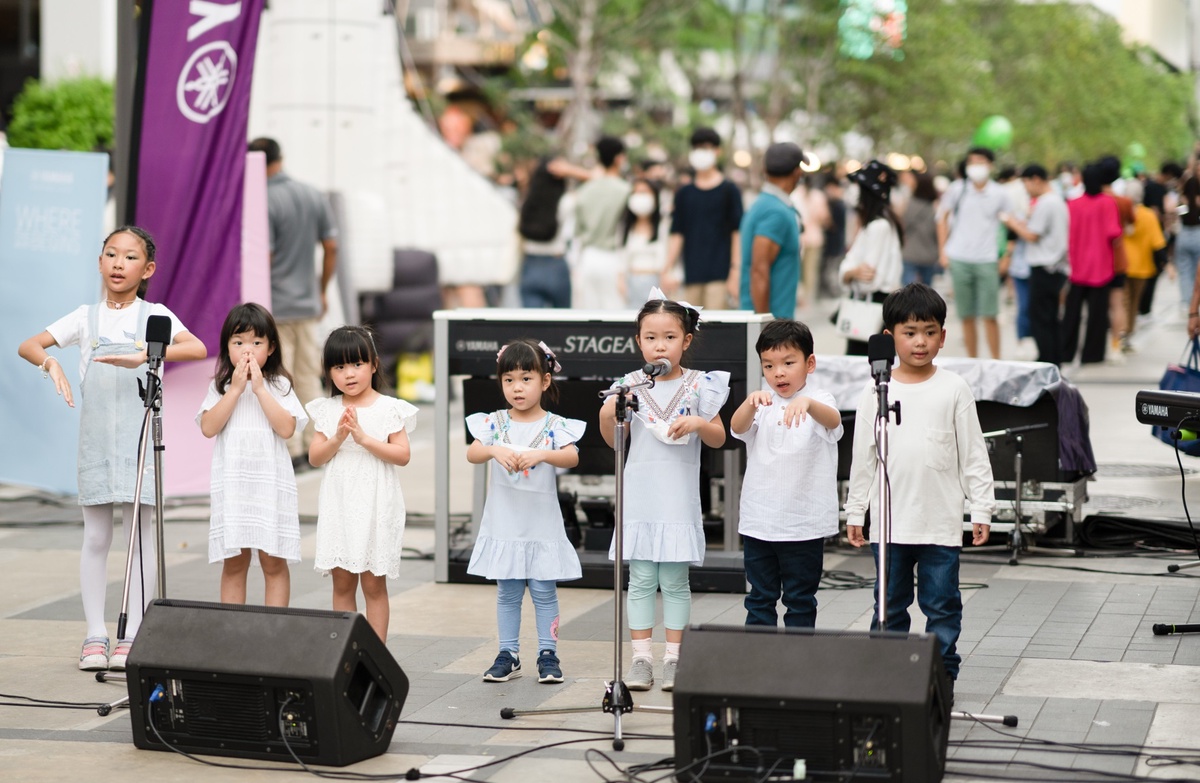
{"points": [[328, 86]]}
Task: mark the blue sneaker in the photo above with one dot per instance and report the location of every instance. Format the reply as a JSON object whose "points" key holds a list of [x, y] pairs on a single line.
{"points": [[504, 669], [549, 670]]}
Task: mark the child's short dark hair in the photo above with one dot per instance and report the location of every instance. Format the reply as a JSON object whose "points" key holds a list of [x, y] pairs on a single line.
{"points": [[348, 344], [785, 333], [913, 302], [527, 356]]}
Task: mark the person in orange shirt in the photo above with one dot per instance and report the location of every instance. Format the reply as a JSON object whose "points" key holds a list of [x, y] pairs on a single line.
{"points": [[1140, 245]]}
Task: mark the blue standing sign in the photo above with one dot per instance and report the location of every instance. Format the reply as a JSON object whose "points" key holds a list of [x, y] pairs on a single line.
{"points": [[51, 228]]}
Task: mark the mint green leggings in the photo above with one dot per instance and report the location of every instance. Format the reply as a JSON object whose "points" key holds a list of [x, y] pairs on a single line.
{"points": [[645, 579]]}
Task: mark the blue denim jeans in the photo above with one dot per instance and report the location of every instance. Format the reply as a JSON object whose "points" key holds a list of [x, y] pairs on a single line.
{"points": [[545, 282], [510, 593], [788, 568], [937, 595], [922, 273], [1021, 289], [1187, 254]]}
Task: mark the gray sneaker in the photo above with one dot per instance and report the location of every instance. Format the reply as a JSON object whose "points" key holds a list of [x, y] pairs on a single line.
{"points": [[640, 676], [668, 680]]}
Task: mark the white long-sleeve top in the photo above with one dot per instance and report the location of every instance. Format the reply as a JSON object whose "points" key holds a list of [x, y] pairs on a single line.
{"points": [[937, 457], [877, 245]]}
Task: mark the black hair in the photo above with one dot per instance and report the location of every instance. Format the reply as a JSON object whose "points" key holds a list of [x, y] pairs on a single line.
{"points": [[1006, 173], [269, 146], [871, 206], [526, 355], [1035, 171], [608, 148], [705, 136], [926, 189], [1093, 179], [539, 212], [250, 317], [655, 217], [984, 151], [348, 344], [1110, 168], [1171, 169], [148, 247], [785, 333], [913, 302]]}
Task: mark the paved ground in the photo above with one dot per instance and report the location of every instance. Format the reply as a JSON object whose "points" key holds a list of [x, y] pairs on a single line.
{"points": [[1065, 645]]}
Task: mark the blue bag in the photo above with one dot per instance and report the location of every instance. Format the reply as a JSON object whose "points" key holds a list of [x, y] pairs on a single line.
{"points": [[1181, 378]]}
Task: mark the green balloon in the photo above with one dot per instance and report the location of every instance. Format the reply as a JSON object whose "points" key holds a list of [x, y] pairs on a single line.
{"points": [[995, 132], [1136, 151]]}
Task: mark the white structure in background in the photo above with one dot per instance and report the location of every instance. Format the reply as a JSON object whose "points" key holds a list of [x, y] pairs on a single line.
{"points": [[329, 87]]}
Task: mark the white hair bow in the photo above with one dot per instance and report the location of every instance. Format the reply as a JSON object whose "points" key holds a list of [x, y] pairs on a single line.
{"points": [[657, 293]]}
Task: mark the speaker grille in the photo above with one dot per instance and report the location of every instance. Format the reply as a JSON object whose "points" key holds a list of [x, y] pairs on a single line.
{"points": [[790, 734], [222, 710]]}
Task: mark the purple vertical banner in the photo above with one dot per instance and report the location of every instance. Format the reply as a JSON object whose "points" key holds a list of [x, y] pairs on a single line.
{"points": [[190, 113]]}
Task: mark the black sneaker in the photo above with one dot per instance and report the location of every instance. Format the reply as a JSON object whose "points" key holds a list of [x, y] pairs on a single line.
{"points": [[549, 670], [504, 669]]}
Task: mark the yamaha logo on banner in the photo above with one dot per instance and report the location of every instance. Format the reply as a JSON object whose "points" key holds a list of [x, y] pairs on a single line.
{"points": [[191, 108]]}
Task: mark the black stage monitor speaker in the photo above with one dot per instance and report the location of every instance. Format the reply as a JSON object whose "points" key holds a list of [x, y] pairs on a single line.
{"points": [[233, 680], [750, 703]]}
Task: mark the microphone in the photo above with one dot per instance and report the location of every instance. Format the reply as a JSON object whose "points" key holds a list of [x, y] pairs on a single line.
{"points": [[881, 349], [658, 367], [158, 337]]}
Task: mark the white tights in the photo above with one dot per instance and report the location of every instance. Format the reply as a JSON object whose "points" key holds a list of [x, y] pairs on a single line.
{"points": [[93, 565]]}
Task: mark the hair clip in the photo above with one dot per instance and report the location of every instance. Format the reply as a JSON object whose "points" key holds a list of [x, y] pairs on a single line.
{"points": [[550, 358]]}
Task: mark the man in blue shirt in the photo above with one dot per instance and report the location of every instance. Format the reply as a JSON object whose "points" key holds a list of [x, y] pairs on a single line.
{"points": [[770, 237]]}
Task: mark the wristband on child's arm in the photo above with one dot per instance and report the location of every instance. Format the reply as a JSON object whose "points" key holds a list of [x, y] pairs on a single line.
{"points": [[43, 366]]}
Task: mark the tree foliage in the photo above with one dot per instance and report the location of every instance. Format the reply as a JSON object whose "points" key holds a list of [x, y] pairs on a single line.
{"points": [[75, 114]]}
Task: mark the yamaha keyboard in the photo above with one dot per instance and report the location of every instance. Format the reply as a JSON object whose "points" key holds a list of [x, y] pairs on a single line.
{"points": [[1168, 409]]}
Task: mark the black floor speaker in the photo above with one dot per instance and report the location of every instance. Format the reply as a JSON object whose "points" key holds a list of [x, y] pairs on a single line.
{"points": [[751, 703], [252, 681]]}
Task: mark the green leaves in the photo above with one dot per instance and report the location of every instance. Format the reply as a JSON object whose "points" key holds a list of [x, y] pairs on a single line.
{"points": [[76, 114]]}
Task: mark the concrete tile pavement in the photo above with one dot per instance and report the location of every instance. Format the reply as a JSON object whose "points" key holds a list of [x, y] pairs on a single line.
{"points": [[1068, 651]]}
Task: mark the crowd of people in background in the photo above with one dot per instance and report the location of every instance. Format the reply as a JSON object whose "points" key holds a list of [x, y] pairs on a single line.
{"points": [[1078, 253]]}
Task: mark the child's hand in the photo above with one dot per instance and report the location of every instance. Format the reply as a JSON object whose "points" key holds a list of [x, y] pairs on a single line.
{"points": [[760, 398], [685, 425], [527, 459], [979, 534], [61, 384], [863, 272], [241, 374], [350, 417], [130, 361], [507, 458], [796, 412], [854, 533], [345, 426], [255, 373]]}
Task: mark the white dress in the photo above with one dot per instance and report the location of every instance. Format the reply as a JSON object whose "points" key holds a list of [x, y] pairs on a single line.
{"points": [[253, 483], [662, 518], [521, 535], [360, 514]]}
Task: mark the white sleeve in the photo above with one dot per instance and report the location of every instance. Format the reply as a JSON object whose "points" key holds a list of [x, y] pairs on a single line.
{"points": [[177, 326], [974, 465], [862, 469], [69, 329], [825, 398], [290, 401], [210, 399]]}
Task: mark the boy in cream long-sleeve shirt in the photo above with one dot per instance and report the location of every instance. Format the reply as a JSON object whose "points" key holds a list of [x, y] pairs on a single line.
{"points": [[937, 458]]}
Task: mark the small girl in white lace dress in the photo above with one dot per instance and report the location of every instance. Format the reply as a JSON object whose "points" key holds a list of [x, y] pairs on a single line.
{"points": [[521, 539], [663, 528], [362, 437], [251, 409]]}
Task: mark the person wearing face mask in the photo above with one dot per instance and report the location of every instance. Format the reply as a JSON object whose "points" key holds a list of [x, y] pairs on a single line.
{"points": [[968, 229], [770, 237], [599, 206], [642, 248], [704, 229]]}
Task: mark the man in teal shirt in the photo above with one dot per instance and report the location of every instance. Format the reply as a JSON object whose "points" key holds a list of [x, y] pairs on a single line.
{"points": [[770, 237]]}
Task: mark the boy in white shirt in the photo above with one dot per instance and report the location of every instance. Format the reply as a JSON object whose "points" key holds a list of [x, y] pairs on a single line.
{"points": [[937, 458], [789, 494]]}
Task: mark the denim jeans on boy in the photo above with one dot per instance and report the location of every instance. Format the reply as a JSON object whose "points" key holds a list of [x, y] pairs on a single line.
{"points": [[937, 594], [790, 568], [919, 273]]}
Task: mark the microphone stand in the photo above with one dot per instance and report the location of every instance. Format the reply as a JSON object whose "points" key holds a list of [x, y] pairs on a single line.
{"points": [[882, 417], [617, 699], [151, 394]]}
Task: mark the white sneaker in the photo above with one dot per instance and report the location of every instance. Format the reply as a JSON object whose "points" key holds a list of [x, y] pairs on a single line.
{"points": [[640, 675], [94, 655], [120, 655]]}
